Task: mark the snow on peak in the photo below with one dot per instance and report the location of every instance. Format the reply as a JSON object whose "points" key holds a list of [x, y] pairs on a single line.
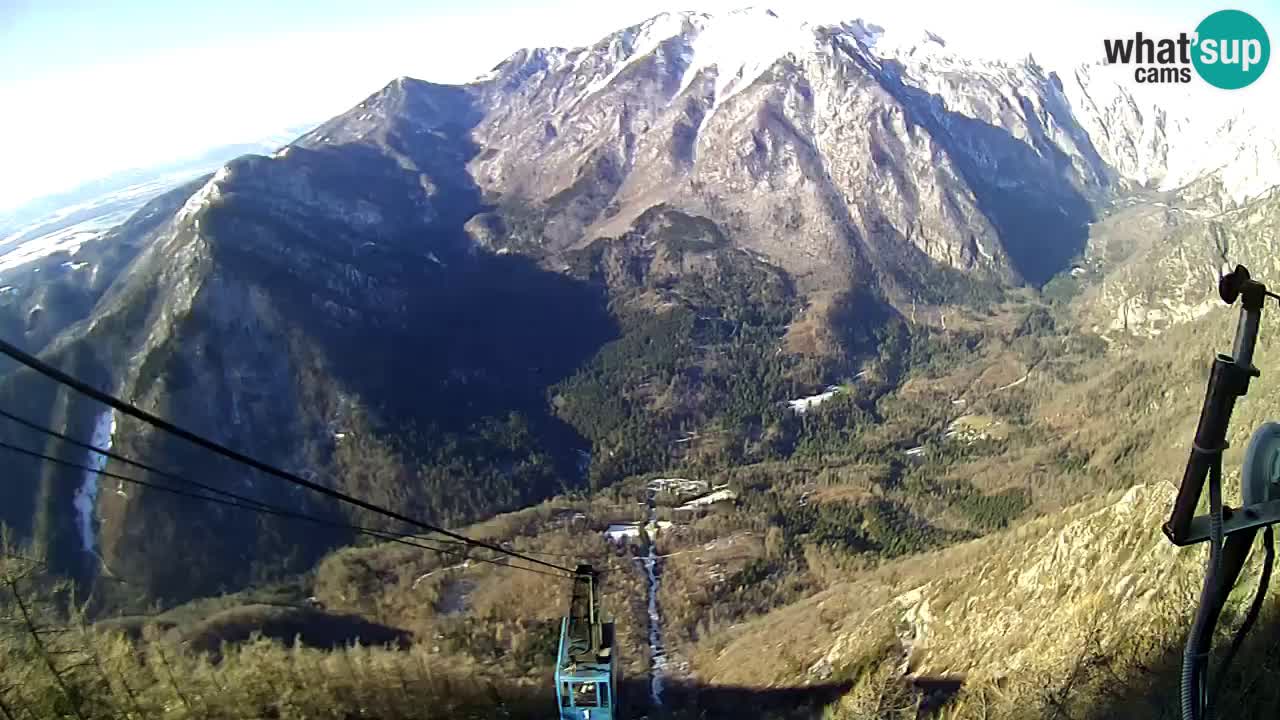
{"points": [[201, 199], [1193, 131], [740, 46], [639, 41], [904, 42], [525, 63]]}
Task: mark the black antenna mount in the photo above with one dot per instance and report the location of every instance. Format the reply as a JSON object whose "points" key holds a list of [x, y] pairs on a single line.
{"points": [[1230, 531], [1228, 381]]}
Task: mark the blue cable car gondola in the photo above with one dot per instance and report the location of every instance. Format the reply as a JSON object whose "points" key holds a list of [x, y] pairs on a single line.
{"points": [[585, 680]]}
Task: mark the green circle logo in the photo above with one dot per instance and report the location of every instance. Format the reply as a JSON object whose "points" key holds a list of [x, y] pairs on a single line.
{"points": [[1232, 49]]}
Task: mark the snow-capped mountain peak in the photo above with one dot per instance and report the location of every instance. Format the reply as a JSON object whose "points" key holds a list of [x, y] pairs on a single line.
{"points": [[740, 46]]}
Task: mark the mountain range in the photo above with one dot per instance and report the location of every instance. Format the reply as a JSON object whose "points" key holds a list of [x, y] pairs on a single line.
{"points": [[447, 296]]}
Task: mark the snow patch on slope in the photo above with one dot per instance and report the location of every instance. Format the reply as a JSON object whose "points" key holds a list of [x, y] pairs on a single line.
{"points": [[738, 47], [741, 46], [804, 404], [48, 245], [86, 497], [639, 42], [204, 196]]}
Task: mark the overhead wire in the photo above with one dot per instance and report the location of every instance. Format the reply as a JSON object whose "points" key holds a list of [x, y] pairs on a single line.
{"points": [[263, 508], [106, 452], [133, 411]]}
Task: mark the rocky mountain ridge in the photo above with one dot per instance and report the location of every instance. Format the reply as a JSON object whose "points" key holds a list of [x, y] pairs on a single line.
{"points": [[482, 244]]}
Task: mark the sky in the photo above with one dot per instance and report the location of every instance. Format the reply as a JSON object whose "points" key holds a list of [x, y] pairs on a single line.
{"points": [[90, 87]]}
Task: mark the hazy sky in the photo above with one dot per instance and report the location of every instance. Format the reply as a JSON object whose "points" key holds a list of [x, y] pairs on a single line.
{"points": [[88, 87]]}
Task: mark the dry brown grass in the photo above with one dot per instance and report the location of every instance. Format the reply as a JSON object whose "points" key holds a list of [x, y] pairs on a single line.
{"points": [[492, 613], [810, 333], [851, 493], [1013, 612]]}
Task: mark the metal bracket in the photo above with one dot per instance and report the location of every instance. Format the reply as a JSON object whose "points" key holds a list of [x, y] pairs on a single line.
{"points": [[1259, 490], [1228, 381], [1234, 520]]}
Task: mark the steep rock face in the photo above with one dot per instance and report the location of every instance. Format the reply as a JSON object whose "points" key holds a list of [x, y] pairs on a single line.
{"points": [[1165, 272], [820, 148], [1168, 138], [314, 309]]}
